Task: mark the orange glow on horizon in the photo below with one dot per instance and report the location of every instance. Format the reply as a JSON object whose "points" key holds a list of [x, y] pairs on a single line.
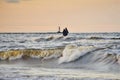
{"points": [[47, 15]]}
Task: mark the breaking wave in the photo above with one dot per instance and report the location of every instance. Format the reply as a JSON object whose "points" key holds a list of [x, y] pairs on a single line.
{"points": [[117, 38], [57, 38], [31, 53], [70, 54], [72, 38]]}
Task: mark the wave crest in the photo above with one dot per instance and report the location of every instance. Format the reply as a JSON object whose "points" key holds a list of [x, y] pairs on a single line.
{"points": [[33, 53], [70, 54], [73, 52]]}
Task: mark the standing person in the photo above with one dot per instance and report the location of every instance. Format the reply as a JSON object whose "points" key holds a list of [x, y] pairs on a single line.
{"points": [[59, 30], [65, 32]]}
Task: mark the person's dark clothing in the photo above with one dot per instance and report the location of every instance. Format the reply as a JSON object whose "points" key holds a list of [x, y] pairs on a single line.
{"points": [[65, 32]]}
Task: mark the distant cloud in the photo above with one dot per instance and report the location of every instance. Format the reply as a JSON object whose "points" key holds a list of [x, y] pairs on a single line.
{"points": [[15, 1]]}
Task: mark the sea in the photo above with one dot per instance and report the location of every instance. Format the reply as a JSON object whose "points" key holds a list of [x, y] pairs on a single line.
{"points": [[52, 56]]}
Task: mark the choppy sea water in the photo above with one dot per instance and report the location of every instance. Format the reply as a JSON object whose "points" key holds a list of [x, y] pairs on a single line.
{"points": [[51, 56]]}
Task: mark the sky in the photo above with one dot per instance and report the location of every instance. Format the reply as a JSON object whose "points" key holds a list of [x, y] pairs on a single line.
{"points": [[47, 15]]}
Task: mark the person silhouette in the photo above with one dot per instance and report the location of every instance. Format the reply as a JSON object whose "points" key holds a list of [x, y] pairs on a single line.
{"points": [[59, 30], [65, 32]]}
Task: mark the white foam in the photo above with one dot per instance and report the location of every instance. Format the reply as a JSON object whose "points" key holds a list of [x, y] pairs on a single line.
{"points": [[15, 57], [55, 37], [35, 56], [73, 52]]}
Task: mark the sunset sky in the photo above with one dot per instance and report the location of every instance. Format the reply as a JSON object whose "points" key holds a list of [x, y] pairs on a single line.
{"points": [[47, 15]]}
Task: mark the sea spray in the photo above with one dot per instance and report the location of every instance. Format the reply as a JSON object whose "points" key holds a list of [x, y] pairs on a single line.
{"points": [[44, 50], [73, 52]]}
